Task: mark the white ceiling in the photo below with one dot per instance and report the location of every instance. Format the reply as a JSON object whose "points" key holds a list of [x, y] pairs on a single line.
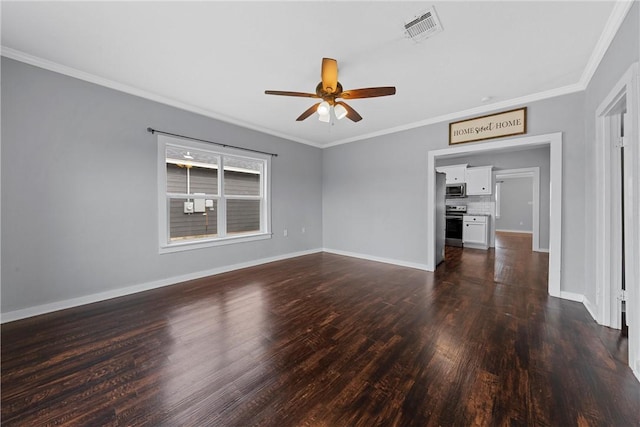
{"points": [[217, 58]]}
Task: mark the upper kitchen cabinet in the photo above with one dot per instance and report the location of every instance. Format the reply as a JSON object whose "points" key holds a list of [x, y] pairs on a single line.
{"points": [[455, 173], [478, 180]]}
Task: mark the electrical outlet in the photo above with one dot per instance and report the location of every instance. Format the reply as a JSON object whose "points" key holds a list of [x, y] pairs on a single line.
{"points": [[285, 233]]}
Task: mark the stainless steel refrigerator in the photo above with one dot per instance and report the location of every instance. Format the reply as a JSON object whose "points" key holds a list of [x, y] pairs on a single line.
{"points": [[440, 216]]}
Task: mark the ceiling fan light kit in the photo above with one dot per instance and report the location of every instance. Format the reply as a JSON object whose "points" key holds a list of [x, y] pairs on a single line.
{"points": [[324, 108], [326, 118], [329, 89], [340, 112]]}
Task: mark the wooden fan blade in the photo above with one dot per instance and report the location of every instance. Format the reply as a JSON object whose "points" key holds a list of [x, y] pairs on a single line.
{"points": [[351, 113], [285, 93], [308, 112], [329, 75], [369, 92]]}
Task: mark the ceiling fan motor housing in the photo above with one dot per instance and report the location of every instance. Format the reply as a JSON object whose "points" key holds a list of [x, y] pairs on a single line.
{"points": [[326, 96]]}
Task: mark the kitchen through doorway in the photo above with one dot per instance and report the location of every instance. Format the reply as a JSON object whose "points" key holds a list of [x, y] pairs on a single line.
{"points": [[554, 143]]}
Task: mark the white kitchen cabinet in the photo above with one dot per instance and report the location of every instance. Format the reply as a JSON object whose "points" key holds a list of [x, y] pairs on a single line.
{"points": [[475, 231], [479, 180], [455, 173]]}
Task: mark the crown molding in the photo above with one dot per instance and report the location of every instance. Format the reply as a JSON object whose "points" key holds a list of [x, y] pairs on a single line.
{"points": [[564, 90], [616, 18], [131, 90]]}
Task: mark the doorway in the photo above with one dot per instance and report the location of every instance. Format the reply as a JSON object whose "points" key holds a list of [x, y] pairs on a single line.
{"points": [[524, 182], [554, 142], [617, 198]]}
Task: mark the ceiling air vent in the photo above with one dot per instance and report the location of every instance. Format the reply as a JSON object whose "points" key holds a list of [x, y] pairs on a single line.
{"points": [[423, 26]]}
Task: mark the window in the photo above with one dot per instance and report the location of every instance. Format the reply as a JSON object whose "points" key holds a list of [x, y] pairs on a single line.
{"points": [[209, 196]]}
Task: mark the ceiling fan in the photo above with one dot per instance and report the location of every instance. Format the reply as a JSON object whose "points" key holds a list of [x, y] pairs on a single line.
{"points": [[329, 90]]}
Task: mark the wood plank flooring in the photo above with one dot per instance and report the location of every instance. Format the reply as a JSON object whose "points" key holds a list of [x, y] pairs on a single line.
{"points": [[327, 340]]}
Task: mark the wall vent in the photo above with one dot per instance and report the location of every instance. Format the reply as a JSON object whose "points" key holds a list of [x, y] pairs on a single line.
{"points": [[423, 26]]}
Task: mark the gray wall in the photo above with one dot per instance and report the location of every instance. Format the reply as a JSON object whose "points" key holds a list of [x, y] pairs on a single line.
{"points": [[72, 227], [623, 51], [516, 205], [365, 182], [536, 157]]}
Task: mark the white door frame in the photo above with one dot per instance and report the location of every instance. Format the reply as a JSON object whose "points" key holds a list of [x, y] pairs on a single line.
{"points": [[534, 174], [606, 313], [554, 141]]}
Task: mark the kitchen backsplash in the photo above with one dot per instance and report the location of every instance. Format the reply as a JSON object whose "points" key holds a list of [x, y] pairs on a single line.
{"points": [[483, 205]]}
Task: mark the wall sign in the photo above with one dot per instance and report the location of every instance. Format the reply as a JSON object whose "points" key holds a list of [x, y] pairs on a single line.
{"points": [[513, 122]]}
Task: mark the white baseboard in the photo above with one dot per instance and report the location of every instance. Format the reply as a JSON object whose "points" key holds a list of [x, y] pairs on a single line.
{"points": [[378, 259], [571, 296], [475, 246], [545, 250], [591, 308], [101, 296]]}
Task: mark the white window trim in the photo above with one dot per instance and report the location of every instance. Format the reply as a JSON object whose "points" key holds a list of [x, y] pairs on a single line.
{"points": [[163, 224]]}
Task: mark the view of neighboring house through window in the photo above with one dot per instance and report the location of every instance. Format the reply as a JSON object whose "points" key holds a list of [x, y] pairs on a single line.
{"points": [[203, 206], [242, 194]]}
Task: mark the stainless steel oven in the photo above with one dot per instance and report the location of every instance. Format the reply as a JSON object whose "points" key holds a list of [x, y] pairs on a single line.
{"points": [[453, 220]]}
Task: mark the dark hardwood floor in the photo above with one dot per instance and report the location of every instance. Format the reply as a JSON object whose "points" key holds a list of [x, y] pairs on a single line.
{"points": [[327, 340]]}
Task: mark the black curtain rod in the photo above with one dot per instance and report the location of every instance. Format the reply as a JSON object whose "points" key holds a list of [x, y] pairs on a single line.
{"points": [[153, 131]]}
